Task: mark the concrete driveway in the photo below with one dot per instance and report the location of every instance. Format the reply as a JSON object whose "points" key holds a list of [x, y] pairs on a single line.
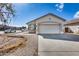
{"points": [[58, 45], [67, 37]]}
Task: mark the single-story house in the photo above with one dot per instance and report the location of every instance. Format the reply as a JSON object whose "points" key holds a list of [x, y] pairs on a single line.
{"points": [[46, 24], [73, 25]]}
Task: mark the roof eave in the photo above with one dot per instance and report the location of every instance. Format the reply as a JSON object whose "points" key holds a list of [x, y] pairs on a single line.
{"points": [[46, 15]]}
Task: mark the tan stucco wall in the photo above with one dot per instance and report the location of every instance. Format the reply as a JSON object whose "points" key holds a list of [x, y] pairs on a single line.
{"points": [[46, 19]]}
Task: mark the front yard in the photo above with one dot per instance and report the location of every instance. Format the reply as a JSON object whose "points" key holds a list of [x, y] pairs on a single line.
{"points": [[18, 44], [23, 44]]}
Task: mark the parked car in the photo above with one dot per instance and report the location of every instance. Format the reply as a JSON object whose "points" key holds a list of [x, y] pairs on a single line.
{"points": [[9, 30]]}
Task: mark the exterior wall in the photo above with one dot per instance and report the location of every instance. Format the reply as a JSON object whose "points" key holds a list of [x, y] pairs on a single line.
{"points": [[18, 30], [74, 28], [49, 19], [1, 32], [31, 28]]}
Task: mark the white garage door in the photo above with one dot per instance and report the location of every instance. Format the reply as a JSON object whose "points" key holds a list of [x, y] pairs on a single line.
{"points": [[48, 29]]}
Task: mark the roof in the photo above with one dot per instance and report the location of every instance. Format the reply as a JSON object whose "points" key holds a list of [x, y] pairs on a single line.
{"points": [[46, 15], [73, 22]]}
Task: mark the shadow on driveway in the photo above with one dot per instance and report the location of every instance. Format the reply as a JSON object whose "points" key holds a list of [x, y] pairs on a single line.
{"points": [[68, 37]]}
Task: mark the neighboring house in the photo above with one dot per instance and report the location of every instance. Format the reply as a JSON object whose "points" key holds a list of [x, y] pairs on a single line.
{"points": [[72, 25], [8, 28], [3, 28], [47, 24]]}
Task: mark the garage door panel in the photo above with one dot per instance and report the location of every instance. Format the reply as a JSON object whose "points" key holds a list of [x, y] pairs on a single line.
{"points": [[48, 29]]}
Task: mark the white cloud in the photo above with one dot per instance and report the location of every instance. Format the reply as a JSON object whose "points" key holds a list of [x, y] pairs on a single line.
{"points": [[56, 4], [59, 7], [76, 14]]}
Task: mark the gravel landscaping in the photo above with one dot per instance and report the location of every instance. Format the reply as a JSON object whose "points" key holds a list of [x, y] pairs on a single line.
{"points": [[18, 45], [9, 43], [29, 49]]}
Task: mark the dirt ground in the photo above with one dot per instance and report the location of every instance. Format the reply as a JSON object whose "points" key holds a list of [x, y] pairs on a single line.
{"points": [[26, 45]]}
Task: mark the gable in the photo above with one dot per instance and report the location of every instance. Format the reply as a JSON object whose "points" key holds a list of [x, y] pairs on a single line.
{"points": [[50, 18]]}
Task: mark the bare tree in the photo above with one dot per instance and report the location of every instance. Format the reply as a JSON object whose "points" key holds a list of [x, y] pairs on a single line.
{"points": [[6, 12]]}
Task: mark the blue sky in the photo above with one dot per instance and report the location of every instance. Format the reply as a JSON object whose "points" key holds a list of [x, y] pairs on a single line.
{"points": [[26, 12]]}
